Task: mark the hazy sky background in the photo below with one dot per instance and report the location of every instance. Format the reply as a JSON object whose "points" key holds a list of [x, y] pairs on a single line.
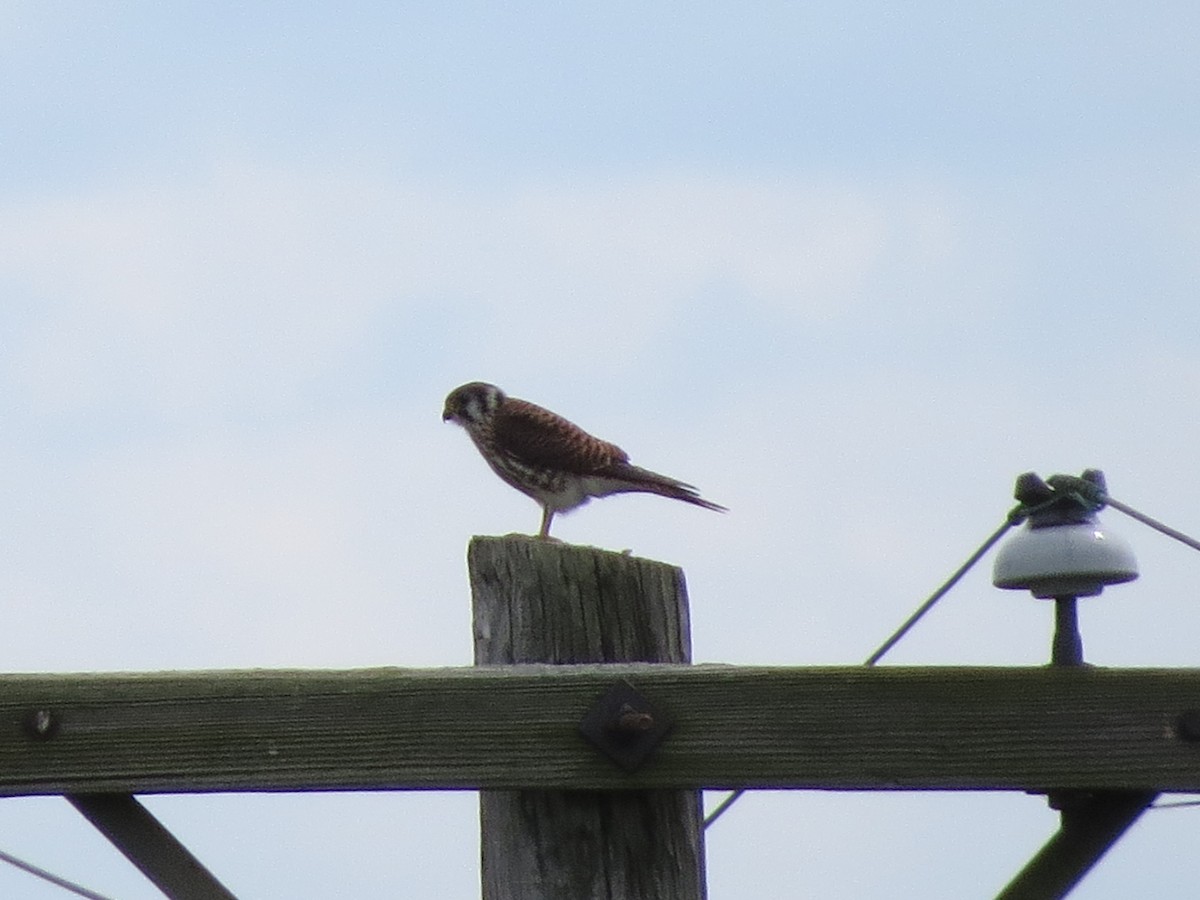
{"points": [[849, 267]]}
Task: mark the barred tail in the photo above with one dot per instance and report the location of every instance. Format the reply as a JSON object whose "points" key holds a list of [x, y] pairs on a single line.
{"points": [[643, 480]]}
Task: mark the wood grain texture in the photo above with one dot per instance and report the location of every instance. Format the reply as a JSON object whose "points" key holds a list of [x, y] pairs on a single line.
{"points": [[512, 727], [543, 602]]}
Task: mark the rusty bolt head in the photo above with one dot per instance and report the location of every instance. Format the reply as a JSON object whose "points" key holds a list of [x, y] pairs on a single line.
{"points": [[631, 721]]}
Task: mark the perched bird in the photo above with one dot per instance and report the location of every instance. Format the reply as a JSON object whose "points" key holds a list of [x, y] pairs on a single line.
{"points": [[546, 457]]}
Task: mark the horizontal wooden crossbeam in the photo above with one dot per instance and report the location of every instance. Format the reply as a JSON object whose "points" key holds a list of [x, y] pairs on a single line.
{"points": [[518, 727]]}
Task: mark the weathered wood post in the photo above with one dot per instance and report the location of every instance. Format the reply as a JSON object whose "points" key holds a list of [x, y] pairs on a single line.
{"points": [[542, 602]]}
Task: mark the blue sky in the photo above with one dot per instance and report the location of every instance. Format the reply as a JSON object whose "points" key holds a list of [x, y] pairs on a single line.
{"points": [[849, 268]]}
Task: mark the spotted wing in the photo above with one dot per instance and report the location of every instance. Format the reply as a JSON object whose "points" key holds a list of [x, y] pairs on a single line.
{"points": [[537, 437]]}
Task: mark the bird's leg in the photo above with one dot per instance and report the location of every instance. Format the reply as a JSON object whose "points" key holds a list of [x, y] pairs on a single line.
{"points": [[547, 515]]}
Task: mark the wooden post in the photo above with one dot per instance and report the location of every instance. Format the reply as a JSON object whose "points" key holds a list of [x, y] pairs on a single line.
{"points": [[149, 846], [542, 602], [1091, 824]]}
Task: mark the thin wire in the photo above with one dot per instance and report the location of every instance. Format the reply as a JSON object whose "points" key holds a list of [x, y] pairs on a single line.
{"points": [[1015, 516], [1153, 523], [937, 595], [1176, 804], [71, 886]]}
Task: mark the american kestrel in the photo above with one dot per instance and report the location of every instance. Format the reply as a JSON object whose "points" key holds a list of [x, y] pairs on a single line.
{"points": [[552, 460]]}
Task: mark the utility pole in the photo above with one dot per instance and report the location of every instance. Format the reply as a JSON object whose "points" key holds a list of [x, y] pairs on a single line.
{"points": [[537, 601]]}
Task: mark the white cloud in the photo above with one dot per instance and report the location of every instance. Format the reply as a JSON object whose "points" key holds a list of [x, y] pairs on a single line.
{"points": [[184, 293], [220, 386]]}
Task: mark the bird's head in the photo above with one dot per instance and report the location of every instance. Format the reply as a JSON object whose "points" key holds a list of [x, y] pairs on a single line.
{"points": [[472, 403]]}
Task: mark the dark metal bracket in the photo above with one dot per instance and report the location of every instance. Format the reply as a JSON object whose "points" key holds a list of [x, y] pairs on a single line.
{"points": [[625, 726]]}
